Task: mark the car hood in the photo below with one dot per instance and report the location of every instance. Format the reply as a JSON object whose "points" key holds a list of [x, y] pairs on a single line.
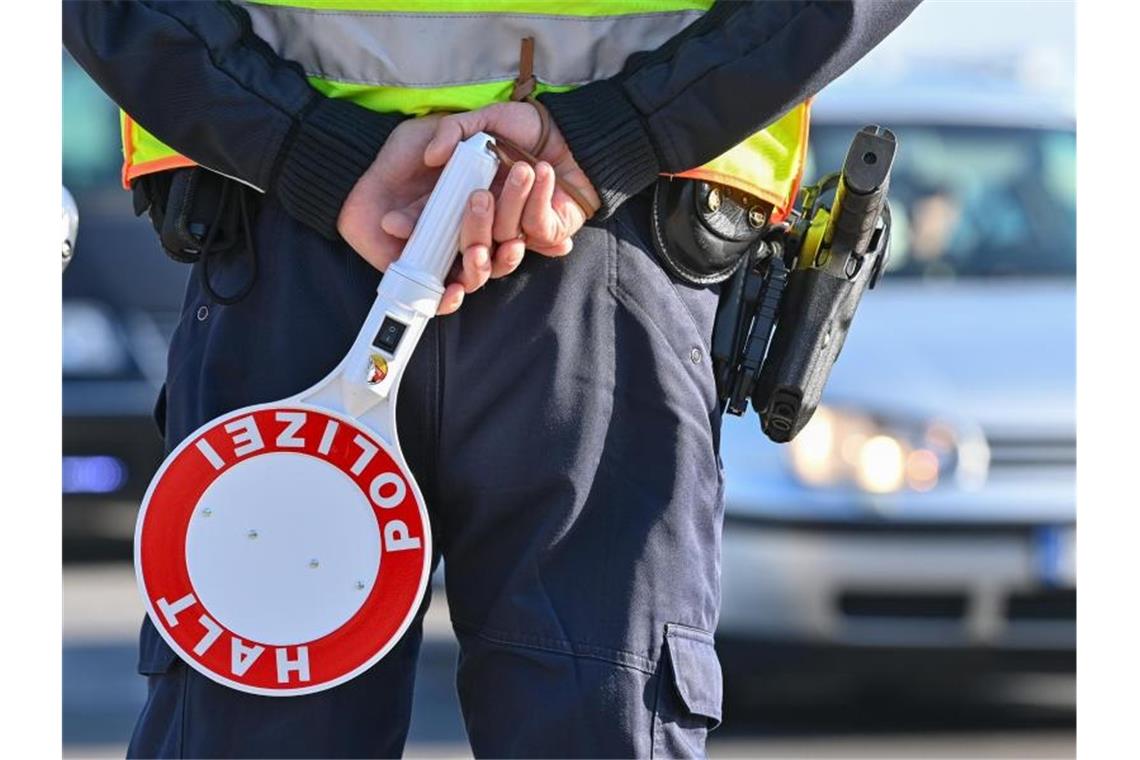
{"points": [[994, 356]]}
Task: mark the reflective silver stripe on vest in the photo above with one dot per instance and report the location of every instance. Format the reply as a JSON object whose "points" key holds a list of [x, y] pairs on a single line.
{"points": [[437, 50]]}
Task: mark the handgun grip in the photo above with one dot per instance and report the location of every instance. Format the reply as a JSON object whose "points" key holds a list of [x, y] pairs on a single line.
{"points": [[815, 316]]}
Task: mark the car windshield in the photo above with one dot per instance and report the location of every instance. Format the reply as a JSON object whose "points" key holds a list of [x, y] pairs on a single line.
{"points": [[972, 201]]}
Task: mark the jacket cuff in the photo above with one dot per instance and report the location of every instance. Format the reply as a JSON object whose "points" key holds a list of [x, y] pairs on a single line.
{"points": [[607, 138], [328, 150]]}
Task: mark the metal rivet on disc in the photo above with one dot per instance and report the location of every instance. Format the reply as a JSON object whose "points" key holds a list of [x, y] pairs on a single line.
{"points": [[207, 512], [756, 217], [203, 312], [251, 534], [314, 563], [695, 355], [713, 200]]}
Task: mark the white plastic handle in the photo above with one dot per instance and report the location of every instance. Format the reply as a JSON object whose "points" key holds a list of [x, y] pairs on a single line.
{"points": [[407, 298], [431, 250]]}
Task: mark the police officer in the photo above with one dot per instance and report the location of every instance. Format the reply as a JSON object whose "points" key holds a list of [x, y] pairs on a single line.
{"points": [[563, 423]]}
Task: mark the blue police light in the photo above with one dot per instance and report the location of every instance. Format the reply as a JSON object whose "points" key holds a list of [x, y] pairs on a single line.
{"points": [[93, 474]]}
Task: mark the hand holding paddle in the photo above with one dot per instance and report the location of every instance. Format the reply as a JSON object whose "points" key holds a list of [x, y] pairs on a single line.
{"points": [[284, 548]]}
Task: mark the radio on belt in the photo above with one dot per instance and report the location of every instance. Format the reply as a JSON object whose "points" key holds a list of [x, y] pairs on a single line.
{"points": [[389, 334]]}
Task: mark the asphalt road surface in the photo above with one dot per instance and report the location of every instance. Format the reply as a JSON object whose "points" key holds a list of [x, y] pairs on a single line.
{"points": [[1027, 717]]}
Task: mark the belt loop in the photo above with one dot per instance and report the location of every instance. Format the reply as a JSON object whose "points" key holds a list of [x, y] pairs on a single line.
{"points": [[524, 90], [524, 85]]}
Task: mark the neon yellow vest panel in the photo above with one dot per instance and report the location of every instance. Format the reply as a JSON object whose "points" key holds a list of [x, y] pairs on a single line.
{"points": [[419, 56]]}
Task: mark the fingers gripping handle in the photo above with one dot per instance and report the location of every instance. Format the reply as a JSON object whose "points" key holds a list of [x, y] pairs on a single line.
{"points": [[408, 296], [431, 250]]}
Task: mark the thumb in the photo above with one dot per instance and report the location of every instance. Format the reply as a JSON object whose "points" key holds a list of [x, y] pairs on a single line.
{"points": [[375, 246], [448, 133], [399, 223]]}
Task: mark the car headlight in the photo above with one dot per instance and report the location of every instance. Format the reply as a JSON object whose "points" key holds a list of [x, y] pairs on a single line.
{"points": [[880, 455], [92, 344]]}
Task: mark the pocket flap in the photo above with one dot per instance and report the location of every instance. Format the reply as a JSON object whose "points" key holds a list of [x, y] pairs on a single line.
{"points": [[696, 670]]}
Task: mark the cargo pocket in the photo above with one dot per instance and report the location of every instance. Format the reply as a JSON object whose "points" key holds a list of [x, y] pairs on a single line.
{"points": [[689, 693]]}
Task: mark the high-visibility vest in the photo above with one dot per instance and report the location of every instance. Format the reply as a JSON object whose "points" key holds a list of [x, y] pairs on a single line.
{"points": [[421, 56]]}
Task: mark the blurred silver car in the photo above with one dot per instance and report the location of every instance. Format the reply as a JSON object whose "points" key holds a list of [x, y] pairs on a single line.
{"points": [[929, 506]]}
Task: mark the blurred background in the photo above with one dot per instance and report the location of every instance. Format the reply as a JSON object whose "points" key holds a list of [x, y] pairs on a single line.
{"points": [[898, 581]]}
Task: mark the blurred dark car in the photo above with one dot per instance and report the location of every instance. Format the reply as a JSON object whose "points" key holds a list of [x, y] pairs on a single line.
{"points": [[925, 519], [120, 302]]}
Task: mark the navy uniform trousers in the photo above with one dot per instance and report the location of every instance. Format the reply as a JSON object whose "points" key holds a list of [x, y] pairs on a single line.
{"points": [[564, 428]]}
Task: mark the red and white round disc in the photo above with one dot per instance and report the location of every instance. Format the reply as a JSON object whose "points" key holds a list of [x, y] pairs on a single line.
{"points": [[282, 549]]}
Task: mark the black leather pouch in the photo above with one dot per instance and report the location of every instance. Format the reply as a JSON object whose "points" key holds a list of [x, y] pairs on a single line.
{"points": [[184, 205], [701, 233]]}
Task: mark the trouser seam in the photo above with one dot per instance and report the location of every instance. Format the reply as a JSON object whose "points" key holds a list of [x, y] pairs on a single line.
{"points": [[434, 403], [655, 726], [436, 420], [563, 647]]}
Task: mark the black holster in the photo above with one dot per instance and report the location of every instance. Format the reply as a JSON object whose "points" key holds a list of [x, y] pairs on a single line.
{"points": [[783, 318]]}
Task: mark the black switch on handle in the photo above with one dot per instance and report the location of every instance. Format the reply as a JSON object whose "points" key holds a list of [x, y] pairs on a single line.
{"points": [[389, 334]]}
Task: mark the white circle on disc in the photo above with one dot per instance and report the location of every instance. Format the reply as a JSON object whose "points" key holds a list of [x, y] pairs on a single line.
{"points": [[279, 547]]}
